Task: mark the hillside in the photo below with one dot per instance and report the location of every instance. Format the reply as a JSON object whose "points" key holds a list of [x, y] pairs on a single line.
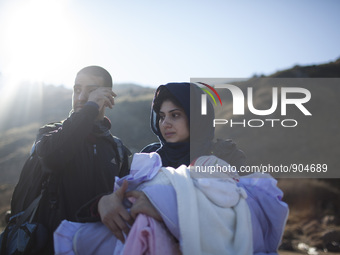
{"points": [[314, 203], [20, 125]]}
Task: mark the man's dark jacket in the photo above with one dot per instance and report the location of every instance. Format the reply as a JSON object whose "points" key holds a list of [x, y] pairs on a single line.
{"points": [[84, 158]]}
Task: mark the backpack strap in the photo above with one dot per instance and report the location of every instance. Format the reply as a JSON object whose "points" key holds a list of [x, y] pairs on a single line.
{"points": [[28, 213], [50, 183], [121, 149], [52, 186]]}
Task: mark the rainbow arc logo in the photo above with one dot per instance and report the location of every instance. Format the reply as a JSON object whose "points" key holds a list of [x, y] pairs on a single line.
{"points": [[208, 92], [204, 97]]}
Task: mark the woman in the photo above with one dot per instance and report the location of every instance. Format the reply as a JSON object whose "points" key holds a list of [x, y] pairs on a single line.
{"points": [[170, 121], [175, 153], [268, 212]]}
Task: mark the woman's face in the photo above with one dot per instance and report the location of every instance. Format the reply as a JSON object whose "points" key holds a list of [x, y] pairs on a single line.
{"points": [[173, 123]]}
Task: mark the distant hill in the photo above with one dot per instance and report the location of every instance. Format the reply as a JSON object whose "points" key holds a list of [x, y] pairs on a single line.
{"points": [[32, 105], [310, 142], [41, 104], [327, 70]]}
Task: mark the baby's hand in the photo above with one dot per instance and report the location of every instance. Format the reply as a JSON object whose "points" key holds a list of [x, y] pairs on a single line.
{"points": [[142, 205]]}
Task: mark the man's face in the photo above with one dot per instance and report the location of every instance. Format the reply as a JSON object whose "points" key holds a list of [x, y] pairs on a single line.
{"points": [[83, 86]]}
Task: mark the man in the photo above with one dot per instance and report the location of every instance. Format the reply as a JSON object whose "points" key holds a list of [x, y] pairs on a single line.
{"points": [[81, 153]]}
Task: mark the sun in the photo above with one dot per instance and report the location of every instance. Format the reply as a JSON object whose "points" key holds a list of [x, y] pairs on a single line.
{"points": [[38, 39]]}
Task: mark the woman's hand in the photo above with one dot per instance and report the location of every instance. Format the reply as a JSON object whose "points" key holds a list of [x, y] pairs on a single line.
{"points": [[142, 205], [113, 213]]}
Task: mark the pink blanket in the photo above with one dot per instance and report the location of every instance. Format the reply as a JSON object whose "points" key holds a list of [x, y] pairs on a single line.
{"points": [[149, 237]]}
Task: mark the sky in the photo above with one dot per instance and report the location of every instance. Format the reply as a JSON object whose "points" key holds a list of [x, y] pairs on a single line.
{"points": [[154, 42]]}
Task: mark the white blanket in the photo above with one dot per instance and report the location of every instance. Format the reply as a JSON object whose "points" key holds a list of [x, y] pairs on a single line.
{"points": [[205, 227]]}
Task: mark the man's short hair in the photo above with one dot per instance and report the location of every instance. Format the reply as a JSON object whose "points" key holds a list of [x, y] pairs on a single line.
{"points": [[98, 71]]}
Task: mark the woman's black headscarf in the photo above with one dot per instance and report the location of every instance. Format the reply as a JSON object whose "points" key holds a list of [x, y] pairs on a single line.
{"points": [[187, 95]]}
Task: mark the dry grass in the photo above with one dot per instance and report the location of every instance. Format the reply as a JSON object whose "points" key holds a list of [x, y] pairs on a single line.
{"points": [[314, 214]]}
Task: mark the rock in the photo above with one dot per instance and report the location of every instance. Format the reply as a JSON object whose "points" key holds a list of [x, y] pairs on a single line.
{"points": [[331, 240], [286, 245], [311, 228], [329, 220]]}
